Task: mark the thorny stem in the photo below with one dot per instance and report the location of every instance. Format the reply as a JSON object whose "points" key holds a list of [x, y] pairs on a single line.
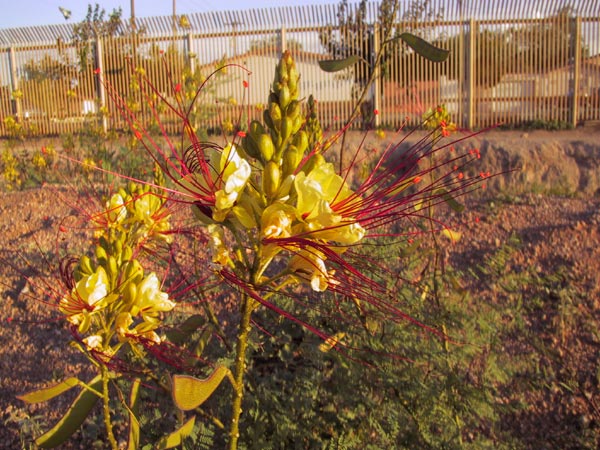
{"points": [[239, 370], [106, 408]]}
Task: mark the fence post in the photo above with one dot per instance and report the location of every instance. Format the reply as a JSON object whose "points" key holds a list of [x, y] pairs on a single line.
{"points": [[101, 92], [576, 39], [14, 84], [471, 75], [376, 86], [282, 44]]}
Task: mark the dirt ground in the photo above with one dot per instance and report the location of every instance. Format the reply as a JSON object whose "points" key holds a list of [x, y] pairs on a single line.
{"points": [[556, 235]]}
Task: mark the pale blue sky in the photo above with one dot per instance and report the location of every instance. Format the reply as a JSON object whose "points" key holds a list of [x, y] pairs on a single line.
{"points": [[23, 13]]}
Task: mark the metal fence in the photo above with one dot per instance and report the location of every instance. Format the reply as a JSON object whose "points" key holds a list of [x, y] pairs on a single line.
{"points": [[510, 62]]}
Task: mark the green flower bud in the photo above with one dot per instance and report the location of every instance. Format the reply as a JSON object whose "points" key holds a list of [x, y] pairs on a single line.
{"points": [[85, 266], [266, 147], [271, 179], [285, 96], [250, 147], [293, 109], [275, 112], [301, 140], [256, 129], [101, 253], [291, 158], [287, 127]]}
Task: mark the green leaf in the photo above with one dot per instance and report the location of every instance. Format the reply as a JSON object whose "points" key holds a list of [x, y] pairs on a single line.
{"points": [[134, 425], [451, 201], [190, 392], [182, 333], [176, 437], [335, 65], [424, 48], [74, 417], [42, 395]]}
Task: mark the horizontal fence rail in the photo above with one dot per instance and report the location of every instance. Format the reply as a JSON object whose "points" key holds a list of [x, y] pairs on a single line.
{"points": [[511, 62]]}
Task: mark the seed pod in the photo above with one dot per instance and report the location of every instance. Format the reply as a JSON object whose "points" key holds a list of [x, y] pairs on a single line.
{"points": [[271, 179], [265, 147], [291, 158]]}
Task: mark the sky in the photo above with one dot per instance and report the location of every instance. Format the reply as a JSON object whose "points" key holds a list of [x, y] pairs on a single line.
{"points": [[23, 13]]}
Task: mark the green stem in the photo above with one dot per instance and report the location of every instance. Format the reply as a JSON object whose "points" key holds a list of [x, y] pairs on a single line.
{"points": [[106, 408], [239, 370]]}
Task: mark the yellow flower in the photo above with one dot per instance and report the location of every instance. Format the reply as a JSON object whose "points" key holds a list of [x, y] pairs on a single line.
{"points": [[115, 209], [150, 300], [217, 244], [89, 295], [234, 172], [310, 266], [317, 192]]}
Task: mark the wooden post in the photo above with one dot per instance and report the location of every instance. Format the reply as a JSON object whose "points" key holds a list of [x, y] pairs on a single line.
{"points": [[14, 84], [471, 75], [576, 28], [377, 79], [100, 90], [282, 44]]}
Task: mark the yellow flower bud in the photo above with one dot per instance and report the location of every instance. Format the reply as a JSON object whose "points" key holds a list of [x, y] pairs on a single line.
{"points": [[291, 158], [271, 179], [266, 147]]}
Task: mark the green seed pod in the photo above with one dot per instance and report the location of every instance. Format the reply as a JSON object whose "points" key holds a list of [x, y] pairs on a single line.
{"points": [[266, 147], [271, 179], [291, 158]]}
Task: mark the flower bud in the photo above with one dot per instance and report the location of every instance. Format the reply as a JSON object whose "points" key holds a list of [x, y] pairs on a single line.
{"points": [[291, 158], [301, 140], [250, 147], [271, 179], [85, 266], [284, 96], [266, 147], [293, 109], [287, 127]]}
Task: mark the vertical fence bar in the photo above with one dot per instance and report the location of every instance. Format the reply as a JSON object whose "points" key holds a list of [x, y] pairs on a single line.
{"points": [[470, 66], [14, 83], [101, 92], [576, 74]]}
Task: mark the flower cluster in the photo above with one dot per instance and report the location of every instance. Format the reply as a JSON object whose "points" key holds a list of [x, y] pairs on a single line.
{"points": [[111, 300]]}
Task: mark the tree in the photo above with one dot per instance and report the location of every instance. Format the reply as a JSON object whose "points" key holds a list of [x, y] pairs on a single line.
{"points": [[95, 25]]}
